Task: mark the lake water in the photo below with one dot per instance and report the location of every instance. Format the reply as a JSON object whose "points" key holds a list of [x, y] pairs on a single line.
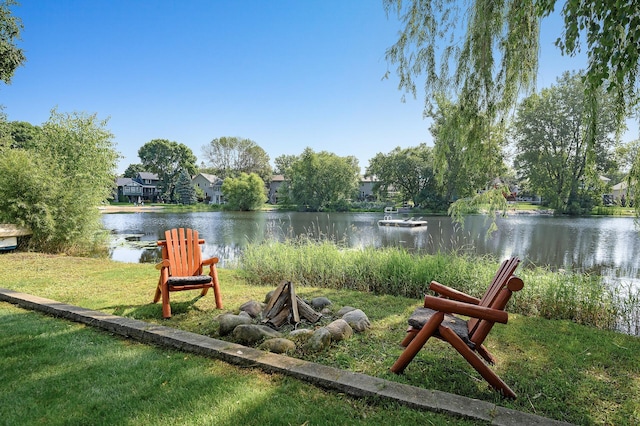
{"points": [[601, 245]]}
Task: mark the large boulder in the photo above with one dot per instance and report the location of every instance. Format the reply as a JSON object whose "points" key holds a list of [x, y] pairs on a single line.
{"points": [[278, 345], [228, 322], [253, 308], [357, 320], [344, 310], [300, 335], [251, 334], [319, 303], [319, 340], [339, 330]]}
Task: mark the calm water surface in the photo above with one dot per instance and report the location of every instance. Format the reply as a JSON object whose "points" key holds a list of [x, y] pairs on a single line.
{"points": [[600, 245]]}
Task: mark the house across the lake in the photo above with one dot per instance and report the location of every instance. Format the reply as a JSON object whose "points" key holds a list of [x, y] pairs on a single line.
{"points": [[141, 189], [212, 187]]}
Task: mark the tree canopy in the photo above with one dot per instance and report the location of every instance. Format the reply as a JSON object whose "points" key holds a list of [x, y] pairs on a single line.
{"points": [[55, 184], [408, 171], [167, 159], [185, 191], [231, 156], [321, 180], [245, 192], [11, 56], [483, 55], [551, 145]]}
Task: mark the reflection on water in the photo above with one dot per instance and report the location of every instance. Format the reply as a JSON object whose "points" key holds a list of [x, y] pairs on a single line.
{"points": [[606, 246]]}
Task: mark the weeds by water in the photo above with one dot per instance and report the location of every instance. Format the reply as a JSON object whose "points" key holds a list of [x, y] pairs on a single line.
{"points": [[577, 297]]}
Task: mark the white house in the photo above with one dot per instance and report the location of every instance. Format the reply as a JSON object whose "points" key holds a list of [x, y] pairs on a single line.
{"points": [[212, 187]]}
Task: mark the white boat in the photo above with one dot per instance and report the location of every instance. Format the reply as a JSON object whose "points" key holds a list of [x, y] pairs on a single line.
{"points": [[389, 220], [403, 223]]}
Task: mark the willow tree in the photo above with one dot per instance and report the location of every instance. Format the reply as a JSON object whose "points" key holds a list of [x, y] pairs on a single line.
{"points": [[483, 55]]}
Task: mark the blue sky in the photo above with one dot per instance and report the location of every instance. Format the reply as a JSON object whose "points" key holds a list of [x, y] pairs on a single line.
{"points": [[287, 74]]}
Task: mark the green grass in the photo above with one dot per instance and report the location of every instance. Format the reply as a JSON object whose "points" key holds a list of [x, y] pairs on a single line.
{"points": [[559, 369], [56, 372]]}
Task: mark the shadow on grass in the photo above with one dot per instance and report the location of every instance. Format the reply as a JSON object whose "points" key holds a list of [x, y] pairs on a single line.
{"points": [[152, 311]]}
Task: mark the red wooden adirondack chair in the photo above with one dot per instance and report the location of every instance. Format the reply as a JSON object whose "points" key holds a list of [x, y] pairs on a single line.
{"points": [[181, 268], [436, 319]]}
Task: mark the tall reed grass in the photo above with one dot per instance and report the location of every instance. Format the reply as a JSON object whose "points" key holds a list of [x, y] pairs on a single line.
{"points": [[554, 295]]}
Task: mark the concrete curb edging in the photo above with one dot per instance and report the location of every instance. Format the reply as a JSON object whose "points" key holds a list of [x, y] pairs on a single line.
{"points": [[354, 384]]}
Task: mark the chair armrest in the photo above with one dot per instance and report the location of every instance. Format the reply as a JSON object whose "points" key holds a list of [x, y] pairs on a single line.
{"points": [[163, 264], [211, 261], [461, 308], [452, 293]]}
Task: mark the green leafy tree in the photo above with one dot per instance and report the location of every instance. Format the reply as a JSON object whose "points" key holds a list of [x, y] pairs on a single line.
{"points": [[231, 156], [133, 170], [11, 57], [167, 159], [18, 134], [185, 191], [408, 171], [245, 192], [321, 180], [283, 164], [550, 133], [466, 158], [483, 55], [55, 186]]}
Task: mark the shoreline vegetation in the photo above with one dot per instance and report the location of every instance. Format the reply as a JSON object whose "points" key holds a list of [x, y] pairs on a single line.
{"points": [[512, 209], [558, 351]]}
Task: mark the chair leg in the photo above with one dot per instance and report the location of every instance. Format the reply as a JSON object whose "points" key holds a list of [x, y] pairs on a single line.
{"points": [[216, 286], [417, 342], [158, 294], [166, 306], [411, 334], [484, 353], [473, 359]]}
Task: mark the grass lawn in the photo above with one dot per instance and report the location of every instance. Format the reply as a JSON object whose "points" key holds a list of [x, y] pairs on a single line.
{"points": [[559, 369]]}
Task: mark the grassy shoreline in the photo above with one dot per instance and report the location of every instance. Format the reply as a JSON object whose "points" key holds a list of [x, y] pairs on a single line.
{"points": [[559, 369]]}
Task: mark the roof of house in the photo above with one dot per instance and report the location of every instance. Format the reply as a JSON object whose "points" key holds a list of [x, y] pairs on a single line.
{"points": [[127, 182], [620, 186], [208, 177], [148, 175]]}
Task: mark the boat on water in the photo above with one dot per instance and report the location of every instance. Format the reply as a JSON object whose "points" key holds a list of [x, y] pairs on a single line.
{"points": [[402, 223], [390, 220]]}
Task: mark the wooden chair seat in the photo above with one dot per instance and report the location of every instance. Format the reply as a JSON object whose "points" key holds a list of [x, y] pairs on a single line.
{"points": [[187, 281], [420, 316]]}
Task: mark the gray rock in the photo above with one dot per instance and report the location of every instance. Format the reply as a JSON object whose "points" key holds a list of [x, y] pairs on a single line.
{"points": [[319, 340], [318, 303], [253, 308], [228, 322], [251, 334], [357, 320], [344, 310], [301, 334], [268, 296], [339, 330], [278, 345]]}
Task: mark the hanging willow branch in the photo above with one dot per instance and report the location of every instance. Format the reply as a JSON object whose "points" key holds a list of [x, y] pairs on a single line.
{"points": [[482, 55]]}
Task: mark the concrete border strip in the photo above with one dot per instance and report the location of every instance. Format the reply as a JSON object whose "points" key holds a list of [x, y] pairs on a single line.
{"points": [[354, 384]]}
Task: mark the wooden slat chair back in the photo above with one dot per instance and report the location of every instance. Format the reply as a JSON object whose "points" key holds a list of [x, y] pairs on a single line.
{"points": [[181, 268], [436, 319]]}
